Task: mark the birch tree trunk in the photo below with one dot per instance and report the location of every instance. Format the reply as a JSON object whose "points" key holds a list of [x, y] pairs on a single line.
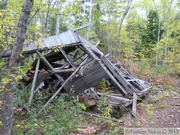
{"points": [[120, 28], [58, 19], [158, 39], [167, 34], [9, 90], [90, 15], [4, 3], [109, 34]]}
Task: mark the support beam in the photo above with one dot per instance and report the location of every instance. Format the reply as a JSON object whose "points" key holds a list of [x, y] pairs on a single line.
{"points": [[134, 104], [82, 27], [67, 57], [49, 65], [115, 72], [34, 81], [57, 92]]}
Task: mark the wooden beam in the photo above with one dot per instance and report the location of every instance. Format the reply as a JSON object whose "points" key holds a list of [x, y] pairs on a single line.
{"points": [[67, 57], [69, 70], [103, 118], [115, 72], [34, 81], [49, 65], [57, 92], [134, 104], [116, 97], [115, 82]]}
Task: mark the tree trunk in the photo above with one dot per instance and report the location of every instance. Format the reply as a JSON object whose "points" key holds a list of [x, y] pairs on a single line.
{"points": [[158, 39], [167, 34], [109, 34], [90, 15], [4, 2], [120, 28], [58, 19], [8, 102]]}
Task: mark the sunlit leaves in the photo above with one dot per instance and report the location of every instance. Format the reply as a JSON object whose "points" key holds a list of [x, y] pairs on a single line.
{"points": [[8, 23]]}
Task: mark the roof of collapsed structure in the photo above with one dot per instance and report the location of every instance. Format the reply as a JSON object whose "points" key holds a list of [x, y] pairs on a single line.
{"points": [[66, 38]]}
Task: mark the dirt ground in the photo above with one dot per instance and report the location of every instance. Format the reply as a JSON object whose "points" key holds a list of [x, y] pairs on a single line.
{"points": [[159, 109]]}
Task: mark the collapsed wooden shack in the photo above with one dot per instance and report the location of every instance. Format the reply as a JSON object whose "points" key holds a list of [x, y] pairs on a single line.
{"points": [[68, 62]]}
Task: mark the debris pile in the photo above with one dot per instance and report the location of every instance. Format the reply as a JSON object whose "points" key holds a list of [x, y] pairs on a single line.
{"points": [[68, 62]]}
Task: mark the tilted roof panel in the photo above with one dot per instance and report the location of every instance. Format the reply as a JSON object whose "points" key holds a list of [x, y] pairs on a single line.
{"points": [[66, 38]]}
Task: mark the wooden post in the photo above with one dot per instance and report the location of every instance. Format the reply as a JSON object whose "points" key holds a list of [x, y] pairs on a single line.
{"points": [[64, 83], [34, 81], [134, 104], [67, 57], [49, 65]]}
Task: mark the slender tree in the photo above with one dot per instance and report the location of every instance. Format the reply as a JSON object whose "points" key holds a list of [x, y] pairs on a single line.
{"points": [[120, 27], [58, 18], [10, 88]]}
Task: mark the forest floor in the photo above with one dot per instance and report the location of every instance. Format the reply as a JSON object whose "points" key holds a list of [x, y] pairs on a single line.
{"points": [[159, 109]]}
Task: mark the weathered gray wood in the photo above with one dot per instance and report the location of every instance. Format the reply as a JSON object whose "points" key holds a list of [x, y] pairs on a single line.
{"points": [[90, 49], [114, 81], [97, 115], [49, 65], [134, 104], [97, 43], [6, 53], [43, 75], [38, 87], [63, 70], [34, 81], [116, 97], [129, 88], [89, 75], [82, 27], [67, 57], [57, 92]]}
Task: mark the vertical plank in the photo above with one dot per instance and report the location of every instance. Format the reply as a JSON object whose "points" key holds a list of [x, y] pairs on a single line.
{"points": [[134, 104], [34, 81], [67, 57], [49, 65], [57, 92]]}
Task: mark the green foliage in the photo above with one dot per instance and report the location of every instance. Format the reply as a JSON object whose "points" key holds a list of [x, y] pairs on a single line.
{"points": [[149, 34], [63, 26], [110, 125], [144, 65], [60, 117], [103, 107]]}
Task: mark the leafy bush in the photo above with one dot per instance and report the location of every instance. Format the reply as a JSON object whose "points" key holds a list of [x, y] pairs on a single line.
{"points": [[59, 118]]}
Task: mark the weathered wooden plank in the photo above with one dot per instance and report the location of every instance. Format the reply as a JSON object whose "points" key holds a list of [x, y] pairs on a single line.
{"points": [[96, 54], [57, 92], [34, 81], [129, 88], [43, 75], [116, 97], [114, 81], [49, 65], [134, 104], [57, 71], [107, 118], [67, 57], [89, 75]]}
